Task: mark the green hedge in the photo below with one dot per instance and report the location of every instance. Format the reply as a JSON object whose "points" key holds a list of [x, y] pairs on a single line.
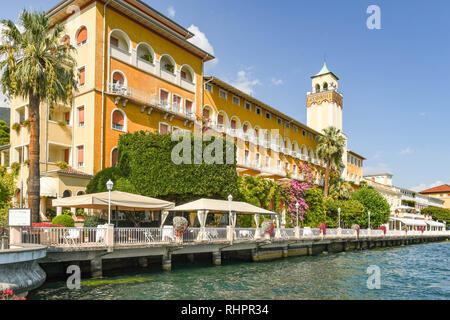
{"points": [[146, 166], [64, 220], [441, 214], [351, 212], [93, 221], [374, 202]]}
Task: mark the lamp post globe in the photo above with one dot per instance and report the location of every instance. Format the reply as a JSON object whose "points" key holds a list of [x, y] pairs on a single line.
{"points": [[339, 218], [109, 186]]}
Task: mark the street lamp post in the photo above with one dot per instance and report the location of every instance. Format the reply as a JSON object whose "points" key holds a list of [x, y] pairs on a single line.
{"points": [[339, 217], [297, 205], [109, 186], [230, 199], [369, 219]]}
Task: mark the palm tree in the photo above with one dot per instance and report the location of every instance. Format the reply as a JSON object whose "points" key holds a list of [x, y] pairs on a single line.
{"points": [[330, 150], [38, 67], [340, 190]]}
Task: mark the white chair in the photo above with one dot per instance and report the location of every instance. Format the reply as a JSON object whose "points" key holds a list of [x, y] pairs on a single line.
{"points": [[148, 236], [307, 231], [71, 235], [167, 233], [100, 234]]}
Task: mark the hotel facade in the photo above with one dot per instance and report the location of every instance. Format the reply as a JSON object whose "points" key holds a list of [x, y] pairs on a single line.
{"points": [[139, 71]]}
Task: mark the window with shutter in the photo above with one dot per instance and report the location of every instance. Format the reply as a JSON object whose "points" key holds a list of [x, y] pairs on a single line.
{"points": [[220, 119], [163, 128], [81, 116], [114, 42], [80, 156], [82, 36], [66, 155], [82, 76], [118, 120], [115, 157], [188, 106]]}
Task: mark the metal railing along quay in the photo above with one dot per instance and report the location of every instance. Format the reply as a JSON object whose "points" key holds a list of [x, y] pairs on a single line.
{"points": [[95, 237]]}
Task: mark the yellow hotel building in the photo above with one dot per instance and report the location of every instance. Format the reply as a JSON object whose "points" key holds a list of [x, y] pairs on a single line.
{"points": [[138, 71]]}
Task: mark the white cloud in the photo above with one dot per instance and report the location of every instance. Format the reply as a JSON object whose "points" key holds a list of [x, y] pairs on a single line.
{"points": [[277, 82], [244, 82], [408, 150], [424, 186], [171, 12], [378, 168], [200, 40]]}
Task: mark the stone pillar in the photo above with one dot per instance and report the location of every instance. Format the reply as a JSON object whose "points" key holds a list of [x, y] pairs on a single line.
{"points": [[96, 267], [339, 232], [230, 234], [285, 252], [59, 211], [5, 243], [143, 262], [255, 255], [109, 236], [297, 232], [167, 262], [14, 235], [217, 258]]}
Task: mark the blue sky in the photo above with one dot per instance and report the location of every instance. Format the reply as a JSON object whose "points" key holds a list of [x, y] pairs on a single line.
{"points": [[395, 81]]}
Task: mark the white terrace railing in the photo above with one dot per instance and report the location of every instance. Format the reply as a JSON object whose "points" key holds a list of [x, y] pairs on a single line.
{"points": [[94, 237], [56, 237]]}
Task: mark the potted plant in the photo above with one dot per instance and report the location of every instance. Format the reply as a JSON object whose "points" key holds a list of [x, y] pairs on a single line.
{"points": [[26, 123], [62, 165], [147, 57], [16, 126], [357, 228], [323, 228], [421, 229], [50, 214], [267, 227], [80, 214], [169, 67], [383, 228], [62, 124], [180, 225]]}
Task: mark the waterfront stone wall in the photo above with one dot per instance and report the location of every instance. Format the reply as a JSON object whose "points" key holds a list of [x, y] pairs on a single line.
{"points": [[20, 270]]}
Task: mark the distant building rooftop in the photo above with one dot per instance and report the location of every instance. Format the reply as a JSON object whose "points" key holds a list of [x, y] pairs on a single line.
{"points": [[440, 189]]}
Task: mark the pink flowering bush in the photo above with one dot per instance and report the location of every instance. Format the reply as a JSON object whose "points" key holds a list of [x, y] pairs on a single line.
{"points": [[323, 228], [267, 227], [8, 294], [383, 228], [421, 229], [295, 192], [180, 225]]}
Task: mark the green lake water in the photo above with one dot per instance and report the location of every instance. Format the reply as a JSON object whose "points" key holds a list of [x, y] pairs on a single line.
{"points": [[410, 272]]}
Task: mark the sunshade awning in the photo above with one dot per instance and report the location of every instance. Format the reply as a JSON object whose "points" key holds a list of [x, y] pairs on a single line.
{"points": [[120, 200], [411, 222], [213, 205], [432, 223], [49, 187]]}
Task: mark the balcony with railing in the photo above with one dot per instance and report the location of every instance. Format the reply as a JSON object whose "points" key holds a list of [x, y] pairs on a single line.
{"points": [[148, 101]]}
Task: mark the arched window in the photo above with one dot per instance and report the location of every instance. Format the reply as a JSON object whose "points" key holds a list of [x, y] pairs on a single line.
{"points": [[67, 194], [207, 113], [120, 40], [145, 53], [81, 193], [325, 86], [187, 73], [114, 157], [118, 120], [118, 78], [317, 88], [167, 64], [82, 36]]}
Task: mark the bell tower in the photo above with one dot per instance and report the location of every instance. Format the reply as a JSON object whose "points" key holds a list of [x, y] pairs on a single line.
{"points": [[324, 103]]}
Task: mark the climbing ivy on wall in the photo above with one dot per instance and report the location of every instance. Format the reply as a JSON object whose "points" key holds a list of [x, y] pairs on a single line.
{"points": [[145, 161]]}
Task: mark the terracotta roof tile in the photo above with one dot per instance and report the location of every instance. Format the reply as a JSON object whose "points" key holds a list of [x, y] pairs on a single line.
{"points": [[440, 189], [72, 171]]}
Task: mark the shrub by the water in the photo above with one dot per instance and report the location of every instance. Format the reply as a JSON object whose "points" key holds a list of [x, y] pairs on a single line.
{"points": [[93, 222], [64, 220]]}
